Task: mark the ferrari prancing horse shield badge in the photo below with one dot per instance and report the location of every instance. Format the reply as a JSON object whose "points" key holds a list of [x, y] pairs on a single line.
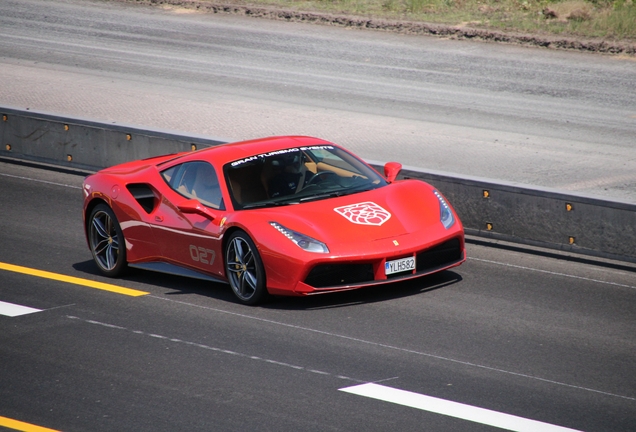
{"points": [[365, 213]]}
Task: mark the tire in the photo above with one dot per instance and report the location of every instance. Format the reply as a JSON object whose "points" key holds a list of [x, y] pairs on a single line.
{"points": [[244, 269], [106, 241]]}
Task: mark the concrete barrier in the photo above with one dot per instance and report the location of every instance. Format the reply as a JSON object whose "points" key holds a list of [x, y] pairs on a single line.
{"points": [[538, 216], [85, 144], [491, 209]]}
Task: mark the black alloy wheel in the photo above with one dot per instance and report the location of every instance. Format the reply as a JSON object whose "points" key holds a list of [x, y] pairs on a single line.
{"points": [[106, 241], [244, 269]]}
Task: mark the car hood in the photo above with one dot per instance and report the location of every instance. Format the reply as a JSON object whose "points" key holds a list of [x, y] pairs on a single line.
{"points": [[395, 210]]}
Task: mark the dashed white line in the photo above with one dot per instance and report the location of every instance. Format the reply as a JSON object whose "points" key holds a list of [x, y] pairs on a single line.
{"points": [[215, 349]]}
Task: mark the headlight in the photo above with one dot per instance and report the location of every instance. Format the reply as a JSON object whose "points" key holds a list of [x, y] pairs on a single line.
{"points": [[301, 240], [445, 213]]}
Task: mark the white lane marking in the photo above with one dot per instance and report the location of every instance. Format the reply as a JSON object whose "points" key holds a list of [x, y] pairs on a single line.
{"points": [[452, 409], [396, 348], [552, 273], [14, 310], [40, 181]]}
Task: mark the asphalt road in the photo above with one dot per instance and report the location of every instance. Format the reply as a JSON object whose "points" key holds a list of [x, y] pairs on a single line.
{"points": [[547, 118], [536, 335], [540, 337]]}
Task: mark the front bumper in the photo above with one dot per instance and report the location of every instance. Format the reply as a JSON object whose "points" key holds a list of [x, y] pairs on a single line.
{"points": [[346, 272], [344, 276]]}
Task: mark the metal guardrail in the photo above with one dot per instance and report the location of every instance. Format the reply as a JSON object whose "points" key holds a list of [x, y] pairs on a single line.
{"points": [[491, 209]]}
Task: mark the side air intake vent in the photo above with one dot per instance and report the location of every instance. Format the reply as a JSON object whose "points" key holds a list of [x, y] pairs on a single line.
{"points": [[441, 255], [144, 196]]}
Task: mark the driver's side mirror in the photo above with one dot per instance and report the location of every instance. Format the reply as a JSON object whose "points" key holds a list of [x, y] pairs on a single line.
{"points": [[391, 171], [193, 206]]}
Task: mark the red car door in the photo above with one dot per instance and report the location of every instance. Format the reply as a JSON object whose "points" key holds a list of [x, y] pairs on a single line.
{"points": [[187, 223]]}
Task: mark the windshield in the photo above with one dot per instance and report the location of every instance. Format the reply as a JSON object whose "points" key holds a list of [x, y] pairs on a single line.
{"points": [[295, 175]]}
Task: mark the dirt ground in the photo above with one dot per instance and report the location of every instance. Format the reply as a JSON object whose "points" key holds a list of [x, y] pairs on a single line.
{"points": [[405, 27]]}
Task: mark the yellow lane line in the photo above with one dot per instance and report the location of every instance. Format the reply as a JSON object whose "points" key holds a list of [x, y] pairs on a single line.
{"points": [[21, 426], [73, 280]]}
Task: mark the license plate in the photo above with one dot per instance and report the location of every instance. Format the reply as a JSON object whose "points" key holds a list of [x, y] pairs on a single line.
{"points": [[400, 265]]}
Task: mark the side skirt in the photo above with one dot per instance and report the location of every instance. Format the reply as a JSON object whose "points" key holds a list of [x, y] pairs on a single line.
{"points": [[176, 270]]}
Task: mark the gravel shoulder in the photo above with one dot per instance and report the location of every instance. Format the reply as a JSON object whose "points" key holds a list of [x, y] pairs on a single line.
{"points": [[603, 46]]}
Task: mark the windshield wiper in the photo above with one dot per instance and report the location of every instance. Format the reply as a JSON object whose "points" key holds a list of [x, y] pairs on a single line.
{"points": [[339, 193], [325, 195], [269, 204]]}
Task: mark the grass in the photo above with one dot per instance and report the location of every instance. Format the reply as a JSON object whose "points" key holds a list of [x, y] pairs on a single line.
{"points": [[609, 19]]}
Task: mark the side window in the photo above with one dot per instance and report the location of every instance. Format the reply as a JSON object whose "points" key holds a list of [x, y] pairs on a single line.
{"points": [[196, 180]]}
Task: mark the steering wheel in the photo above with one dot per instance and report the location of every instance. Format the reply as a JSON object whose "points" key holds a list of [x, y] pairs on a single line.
{"points": [[322, 176]]}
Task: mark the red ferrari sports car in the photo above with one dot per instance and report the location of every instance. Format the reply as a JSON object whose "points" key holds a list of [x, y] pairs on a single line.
{"points": [[281, 216]]}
